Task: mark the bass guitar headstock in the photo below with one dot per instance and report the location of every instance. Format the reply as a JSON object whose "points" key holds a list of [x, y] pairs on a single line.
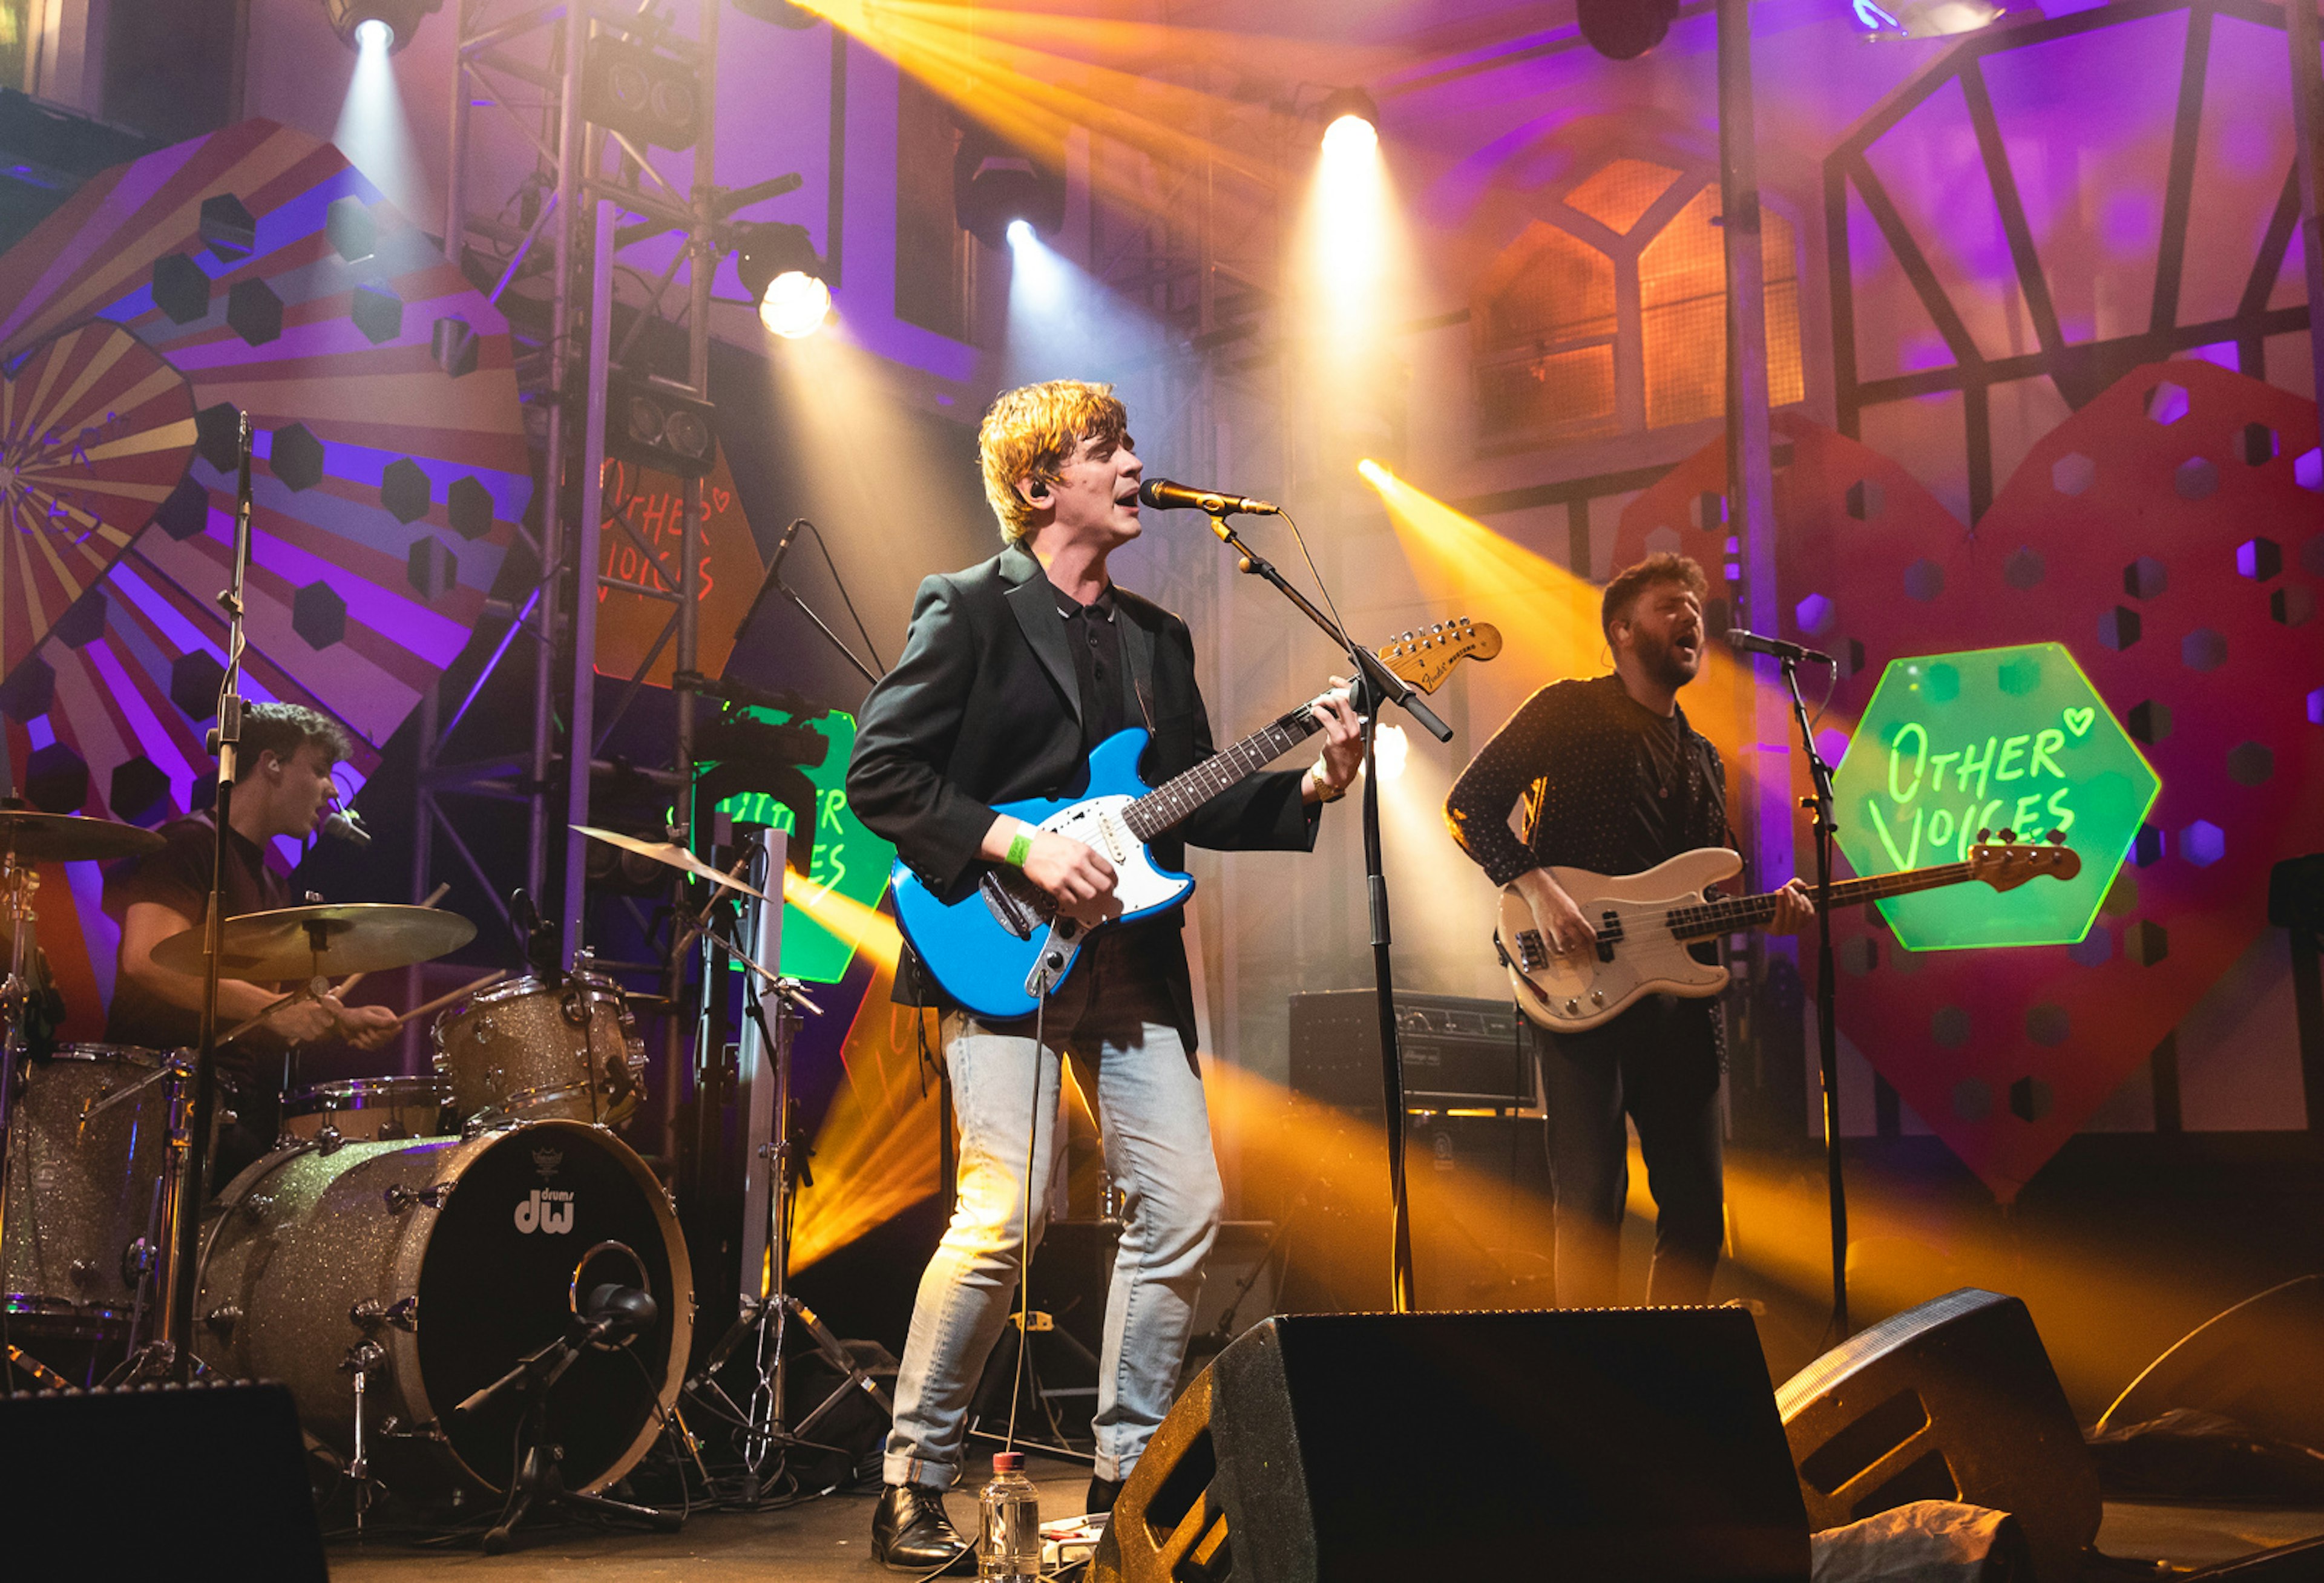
{"points": [[2008, 863], [1425, 656]]}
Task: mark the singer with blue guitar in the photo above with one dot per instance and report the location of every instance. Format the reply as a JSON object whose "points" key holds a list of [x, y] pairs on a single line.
{"points": [[1014, 671]]}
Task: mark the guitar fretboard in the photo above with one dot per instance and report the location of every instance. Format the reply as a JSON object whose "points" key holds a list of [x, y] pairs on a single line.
{"points": [[1705, 919], [1181, 795]]}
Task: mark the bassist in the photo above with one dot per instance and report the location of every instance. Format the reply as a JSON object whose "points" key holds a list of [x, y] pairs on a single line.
{"points": [[1013, 671], [1615, 780]]}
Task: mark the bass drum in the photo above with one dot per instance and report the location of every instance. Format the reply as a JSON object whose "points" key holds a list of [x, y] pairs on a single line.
{"points": [[439, 1264]]}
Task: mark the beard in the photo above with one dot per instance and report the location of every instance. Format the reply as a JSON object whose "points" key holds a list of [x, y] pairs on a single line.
{"points": [[1664, 664]]}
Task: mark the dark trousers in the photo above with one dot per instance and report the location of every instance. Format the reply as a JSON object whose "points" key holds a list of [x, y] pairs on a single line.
{"points": [[1659, 1064]]}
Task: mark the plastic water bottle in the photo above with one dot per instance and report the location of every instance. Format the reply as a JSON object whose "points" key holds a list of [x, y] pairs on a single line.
{"points": [[1008, 1550]]}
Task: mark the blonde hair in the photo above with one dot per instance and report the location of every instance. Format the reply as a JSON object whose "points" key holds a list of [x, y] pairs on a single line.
{"points": [[1029, 432]]}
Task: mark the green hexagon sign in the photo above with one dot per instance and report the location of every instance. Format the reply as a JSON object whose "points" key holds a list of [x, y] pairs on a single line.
{"points": [[848, 857], [1992, 738]]}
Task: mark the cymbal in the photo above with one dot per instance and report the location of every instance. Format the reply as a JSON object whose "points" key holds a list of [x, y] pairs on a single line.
{"points": [[70, 838], [676, 857], [301, 942]]}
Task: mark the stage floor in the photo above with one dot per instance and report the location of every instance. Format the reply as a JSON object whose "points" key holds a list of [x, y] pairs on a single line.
{"points": [[816, 1541], [829, 1540]]}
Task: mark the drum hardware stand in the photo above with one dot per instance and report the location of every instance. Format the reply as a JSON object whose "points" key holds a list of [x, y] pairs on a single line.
{"points": [[777, 1166], [363, 1360]]}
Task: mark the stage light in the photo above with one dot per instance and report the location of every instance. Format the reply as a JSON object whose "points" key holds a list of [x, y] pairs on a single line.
{"points": [[794, 305], [1351, 122], [1623, 30], [377, 24], [781, 13], [781, 271], [1019, 232], [1928, 19], [995, 186]]}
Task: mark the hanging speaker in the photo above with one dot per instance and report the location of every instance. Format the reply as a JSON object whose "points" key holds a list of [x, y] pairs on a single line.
{"points": [[1640, 1444], [658, 424], [1953, 1401], [646, 98]]}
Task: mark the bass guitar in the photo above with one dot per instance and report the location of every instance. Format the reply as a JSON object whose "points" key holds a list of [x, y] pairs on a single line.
{"points": [[1002, 948], [1644, 923]]}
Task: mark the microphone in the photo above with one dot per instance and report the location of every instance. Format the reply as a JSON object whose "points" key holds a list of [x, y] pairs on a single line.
{"points": [[342, 825], [1166, 496], [617, 1311], [1745, 642], [783, 547]]}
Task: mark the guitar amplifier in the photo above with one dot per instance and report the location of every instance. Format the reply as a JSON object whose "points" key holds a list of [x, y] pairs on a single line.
{"points": [[1459, 1053]]}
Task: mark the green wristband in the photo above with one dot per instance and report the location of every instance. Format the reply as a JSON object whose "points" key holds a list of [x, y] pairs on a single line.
{"points": [[1021, 847]]}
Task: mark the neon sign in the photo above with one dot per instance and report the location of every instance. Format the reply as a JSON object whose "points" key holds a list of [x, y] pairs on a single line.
{"points": [[1991, 739], [848, 857]]}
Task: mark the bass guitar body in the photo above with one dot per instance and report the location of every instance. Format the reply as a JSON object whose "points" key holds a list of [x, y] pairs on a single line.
{"points": [[991, 950], [1636, 954]]}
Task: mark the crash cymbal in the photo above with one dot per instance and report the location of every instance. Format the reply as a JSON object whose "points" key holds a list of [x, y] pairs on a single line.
{"points": [[300, 942], [70, 838], [676, 857]]}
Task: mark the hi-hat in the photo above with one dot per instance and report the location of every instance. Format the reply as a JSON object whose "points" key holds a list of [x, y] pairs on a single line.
{"points": [[33, 837], [676, 857], [302, 941]]}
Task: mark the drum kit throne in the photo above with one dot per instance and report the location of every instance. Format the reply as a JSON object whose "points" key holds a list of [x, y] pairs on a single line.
{"points": [[493, 1196]]}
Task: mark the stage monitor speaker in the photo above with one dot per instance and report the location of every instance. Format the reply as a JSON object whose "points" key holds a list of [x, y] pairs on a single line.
{"points": [[1953, 1401], [162, 1481], [1640, 1444], [2260, 1363]]}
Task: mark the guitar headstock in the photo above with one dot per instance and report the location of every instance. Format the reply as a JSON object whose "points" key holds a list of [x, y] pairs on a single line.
{"points": [[2008, 863], [1425, 656]]}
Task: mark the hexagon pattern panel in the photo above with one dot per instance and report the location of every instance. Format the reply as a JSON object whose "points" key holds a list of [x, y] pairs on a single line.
{"points": [[2185, 597], [251, 269]]}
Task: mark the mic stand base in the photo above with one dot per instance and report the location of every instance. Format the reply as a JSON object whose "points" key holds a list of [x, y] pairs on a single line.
{"points": [[540, 1484]]}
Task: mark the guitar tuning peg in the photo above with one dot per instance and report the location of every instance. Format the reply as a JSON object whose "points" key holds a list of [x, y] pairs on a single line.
{"points": [[2008, 835], [1983, 836], [2056, 838]]}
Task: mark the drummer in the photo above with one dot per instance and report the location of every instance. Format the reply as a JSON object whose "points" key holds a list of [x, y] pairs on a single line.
{"points": [[285, 790]]}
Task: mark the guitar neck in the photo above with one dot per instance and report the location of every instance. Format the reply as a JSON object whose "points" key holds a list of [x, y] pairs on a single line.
{"points": [[1181, 795], [1707, 920]]}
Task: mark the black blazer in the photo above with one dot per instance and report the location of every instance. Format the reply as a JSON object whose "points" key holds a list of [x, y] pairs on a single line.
{"points": [[984, 707]]}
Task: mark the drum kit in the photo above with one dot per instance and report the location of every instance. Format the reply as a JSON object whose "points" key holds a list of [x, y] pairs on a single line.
{"points": [[493, 1195]]}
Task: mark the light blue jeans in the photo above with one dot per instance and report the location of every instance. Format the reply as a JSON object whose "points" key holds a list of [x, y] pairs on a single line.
{"points": [[1157, 1129]]}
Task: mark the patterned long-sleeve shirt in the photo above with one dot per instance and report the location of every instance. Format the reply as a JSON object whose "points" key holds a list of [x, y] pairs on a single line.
{"points": [[1608, 786]]}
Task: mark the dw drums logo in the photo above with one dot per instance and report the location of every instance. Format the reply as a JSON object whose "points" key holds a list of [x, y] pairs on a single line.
{"points": [[546, 1210]]}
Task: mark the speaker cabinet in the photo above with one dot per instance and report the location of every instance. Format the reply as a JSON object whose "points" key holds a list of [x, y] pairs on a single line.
{"points": [[1641, 1444], [162, 1482], [1953, 1401]]}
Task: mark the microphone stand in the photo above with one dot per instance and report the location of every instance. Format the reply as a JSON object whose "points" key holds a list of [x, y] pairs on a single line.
{"points": [[1820, 804], [190, 1135], [1375, 684], [773, 582]]}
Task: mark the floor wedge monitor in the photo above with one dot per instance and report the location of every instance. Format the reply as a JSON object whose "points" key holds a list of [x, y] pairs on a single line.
{"points": [[1953, 1401], [1640, 1444]]}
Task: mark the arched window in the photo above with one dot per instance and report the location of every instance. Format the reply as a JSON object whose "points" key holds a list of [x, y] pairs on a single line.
{"points": [[1608, 315]]}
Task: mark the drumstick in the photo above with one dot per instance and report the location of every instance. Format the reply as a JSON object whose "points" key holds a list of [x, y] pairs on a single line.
{"points": [[352, 980], [462, 993]]}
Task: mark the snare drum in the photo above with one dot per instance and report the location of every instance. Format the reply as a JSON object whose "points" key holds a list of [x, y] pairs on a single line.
{"points": [[315, 1263], [370, 1109], [524, 1050], [83, 1192]]}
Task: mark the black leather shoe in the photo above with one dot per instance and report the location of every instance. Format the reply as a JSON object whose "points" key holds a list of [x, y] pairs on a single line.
{"points": [[911, 1533], [1103, 1494]]}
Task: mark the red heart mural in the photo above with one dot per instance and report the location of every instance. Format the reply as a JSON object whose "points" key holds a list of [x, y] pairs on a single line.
{"points": [[2165, 535]]}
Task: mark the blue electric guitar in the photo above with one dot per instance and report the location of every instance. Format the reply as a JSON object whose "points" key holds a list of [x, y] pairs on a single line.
{"points": [[998, 950]]}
